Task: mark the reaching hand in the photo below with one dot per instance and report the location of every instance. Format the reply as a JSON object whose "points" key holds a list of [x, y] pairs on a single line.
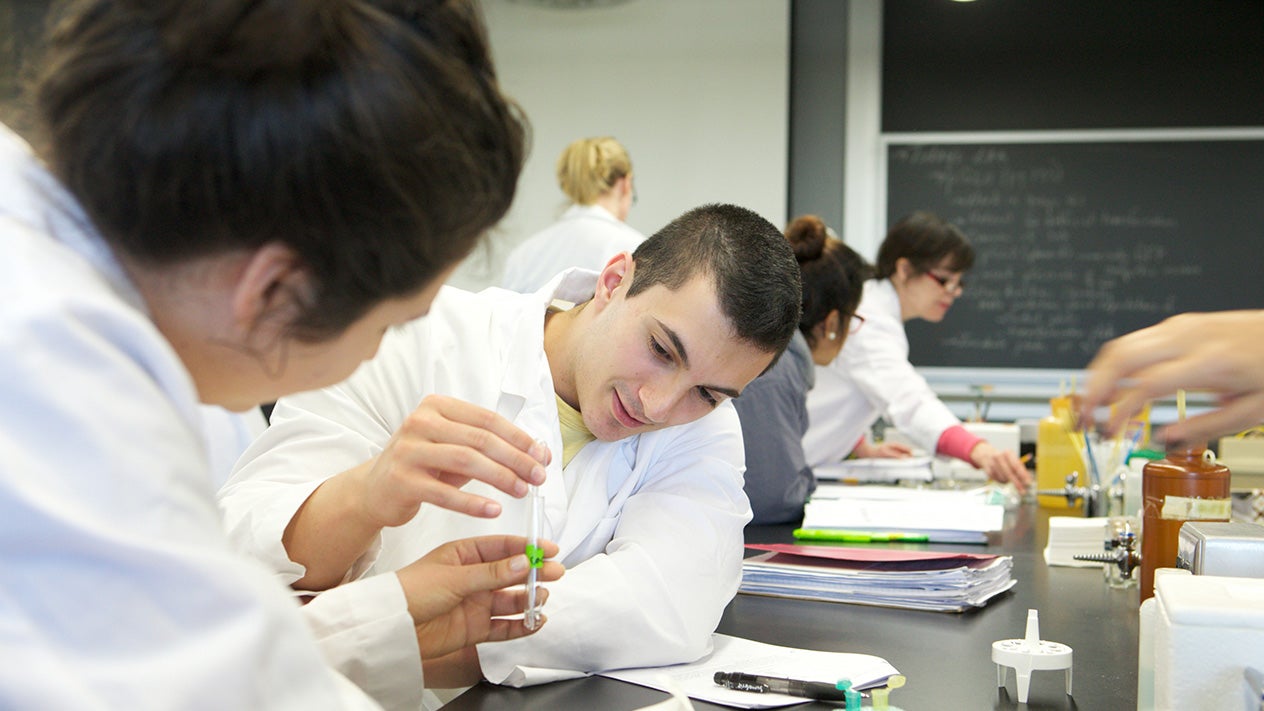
{"points": [[1001, 465], [1221, 352], [457, 593], [443, 444], [885, 450]]}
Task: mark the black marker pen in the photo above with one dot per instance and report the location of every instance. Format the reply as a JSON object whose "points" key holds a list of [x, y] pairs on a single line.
{"points": [[777, 685]]}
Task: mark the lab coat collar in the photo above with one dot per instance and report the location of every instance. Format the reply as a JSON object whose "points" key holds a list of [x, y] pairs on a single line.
{"points": [[522, 326], [881, 298], [575, 285], [31, 195], [523, 376], [593, 211]]}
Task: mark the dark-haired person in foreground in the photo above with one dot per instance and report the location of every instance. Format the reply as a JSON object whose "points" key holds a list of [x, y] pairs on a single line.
{"points": [[630, 387], [231, 200]]}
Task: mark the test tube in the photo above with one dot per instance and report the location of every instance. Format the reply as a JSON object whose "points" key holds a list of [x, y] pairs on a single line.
{"points": [[535, 555]]}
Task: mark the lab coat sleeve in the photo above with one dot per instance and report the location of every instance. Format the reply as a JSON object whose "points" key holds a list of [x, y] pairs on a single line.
{"points": [[876, 359], [362, 627], [120, 590], [364, 630], [313, 436], [656, 593], [228, 434]]}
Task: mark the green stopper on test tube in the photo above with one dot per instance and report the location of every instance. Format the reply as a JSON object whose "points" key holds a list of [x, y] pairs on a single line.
{"points": [[535, 556], [851, 696]]}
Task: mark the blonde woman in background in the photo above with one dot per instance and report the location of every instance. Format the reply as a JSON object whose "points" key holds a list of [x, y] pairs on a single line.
{"points": [[596, 175]]}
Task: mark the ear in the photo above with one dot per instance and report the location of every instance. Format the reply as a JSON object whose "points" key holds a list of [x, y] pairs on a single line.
{"points": [[623, 185], [904, 268], [616, 274], [623, 197], [826, 326], [833, 320], [272, 287]]}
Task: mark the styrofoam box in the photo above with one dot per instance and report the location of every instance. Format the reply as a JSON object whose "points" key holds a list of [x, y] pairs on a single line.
{"points": [[1207, 630]]}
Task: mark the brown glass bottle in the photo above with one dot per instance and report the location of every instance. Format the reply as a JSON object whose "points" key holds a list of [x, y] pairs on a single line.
{"points": [[1186, 485]]}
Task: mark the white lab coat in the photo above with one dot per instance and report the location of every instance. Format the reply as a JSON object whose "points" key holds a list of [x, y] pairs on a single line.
{"points": [[870, 376], [650, 527], [585, 236], [119, 589], [227, 436]]}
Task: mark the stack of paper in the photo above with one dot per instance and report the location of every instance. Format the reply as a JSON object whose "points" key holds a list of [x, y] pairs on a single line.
{"points": [[1073, 535], [942, 516], [877, 470], [919, 580]]}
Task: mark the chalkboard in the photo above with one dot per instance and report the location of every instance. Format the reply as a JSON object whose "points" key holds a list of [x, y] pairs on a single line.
{"points": [[1078, 242], [1006, 65]]}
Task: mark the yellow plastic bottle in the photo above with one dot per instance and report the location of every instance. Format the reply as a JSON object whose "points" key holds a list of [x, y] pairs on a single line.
{"points": [[1056, 454]]}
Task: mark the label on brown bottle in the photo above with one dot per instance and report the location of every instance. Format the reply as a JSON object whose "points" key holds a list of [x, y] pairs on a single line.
{"points": [[1187, 508]]}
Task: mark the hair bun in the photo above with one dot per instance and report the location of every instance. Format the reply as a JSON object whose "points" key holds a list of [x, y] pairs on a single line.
{"points": [[807, 235], [245, 36]]}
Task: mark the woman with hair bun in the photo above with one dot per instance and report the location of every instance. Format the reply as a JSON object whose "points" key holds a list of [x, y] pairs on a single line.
{"points": [[233, 200], [595, 174], [920, 273], [773, 408]]}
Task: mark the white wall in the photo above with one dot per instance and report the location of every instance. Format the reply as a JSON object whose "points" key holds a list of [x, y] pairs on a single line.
{"points": [[697, 91]]}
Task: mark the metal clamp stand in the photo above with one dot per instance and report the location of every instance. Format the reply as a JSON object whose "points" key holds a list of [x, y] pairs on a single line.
{"points": [[1094, 497], [1120, 552]]}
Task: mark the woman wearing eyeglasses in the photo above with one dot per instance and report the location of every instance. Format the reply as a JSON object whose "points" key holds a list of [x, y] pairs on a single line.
{"points": [[773, 408], [919, 273]]}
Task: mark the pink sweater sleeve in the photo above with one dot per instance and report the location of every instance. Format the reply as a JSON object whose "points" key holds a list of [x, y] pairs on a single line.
{"points": [[956, 441], [852, 454]]}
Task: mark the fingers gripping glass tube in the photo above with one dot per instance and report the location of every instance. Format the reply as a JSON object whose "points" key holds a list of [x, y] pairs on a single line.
{"points": [[535, 555]]}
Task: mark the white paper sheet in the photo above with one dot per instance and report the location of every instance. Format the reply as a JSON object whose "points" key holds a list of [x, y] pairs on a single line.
{"points": [[734, 654], [952, 520], [876, 469]]}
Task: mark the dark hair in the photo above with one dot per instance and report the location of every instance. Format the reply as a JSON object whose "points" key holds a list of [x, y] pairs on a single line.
{"points": [[925, 240], [369, 136], [833, 273], [755, 276]]}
